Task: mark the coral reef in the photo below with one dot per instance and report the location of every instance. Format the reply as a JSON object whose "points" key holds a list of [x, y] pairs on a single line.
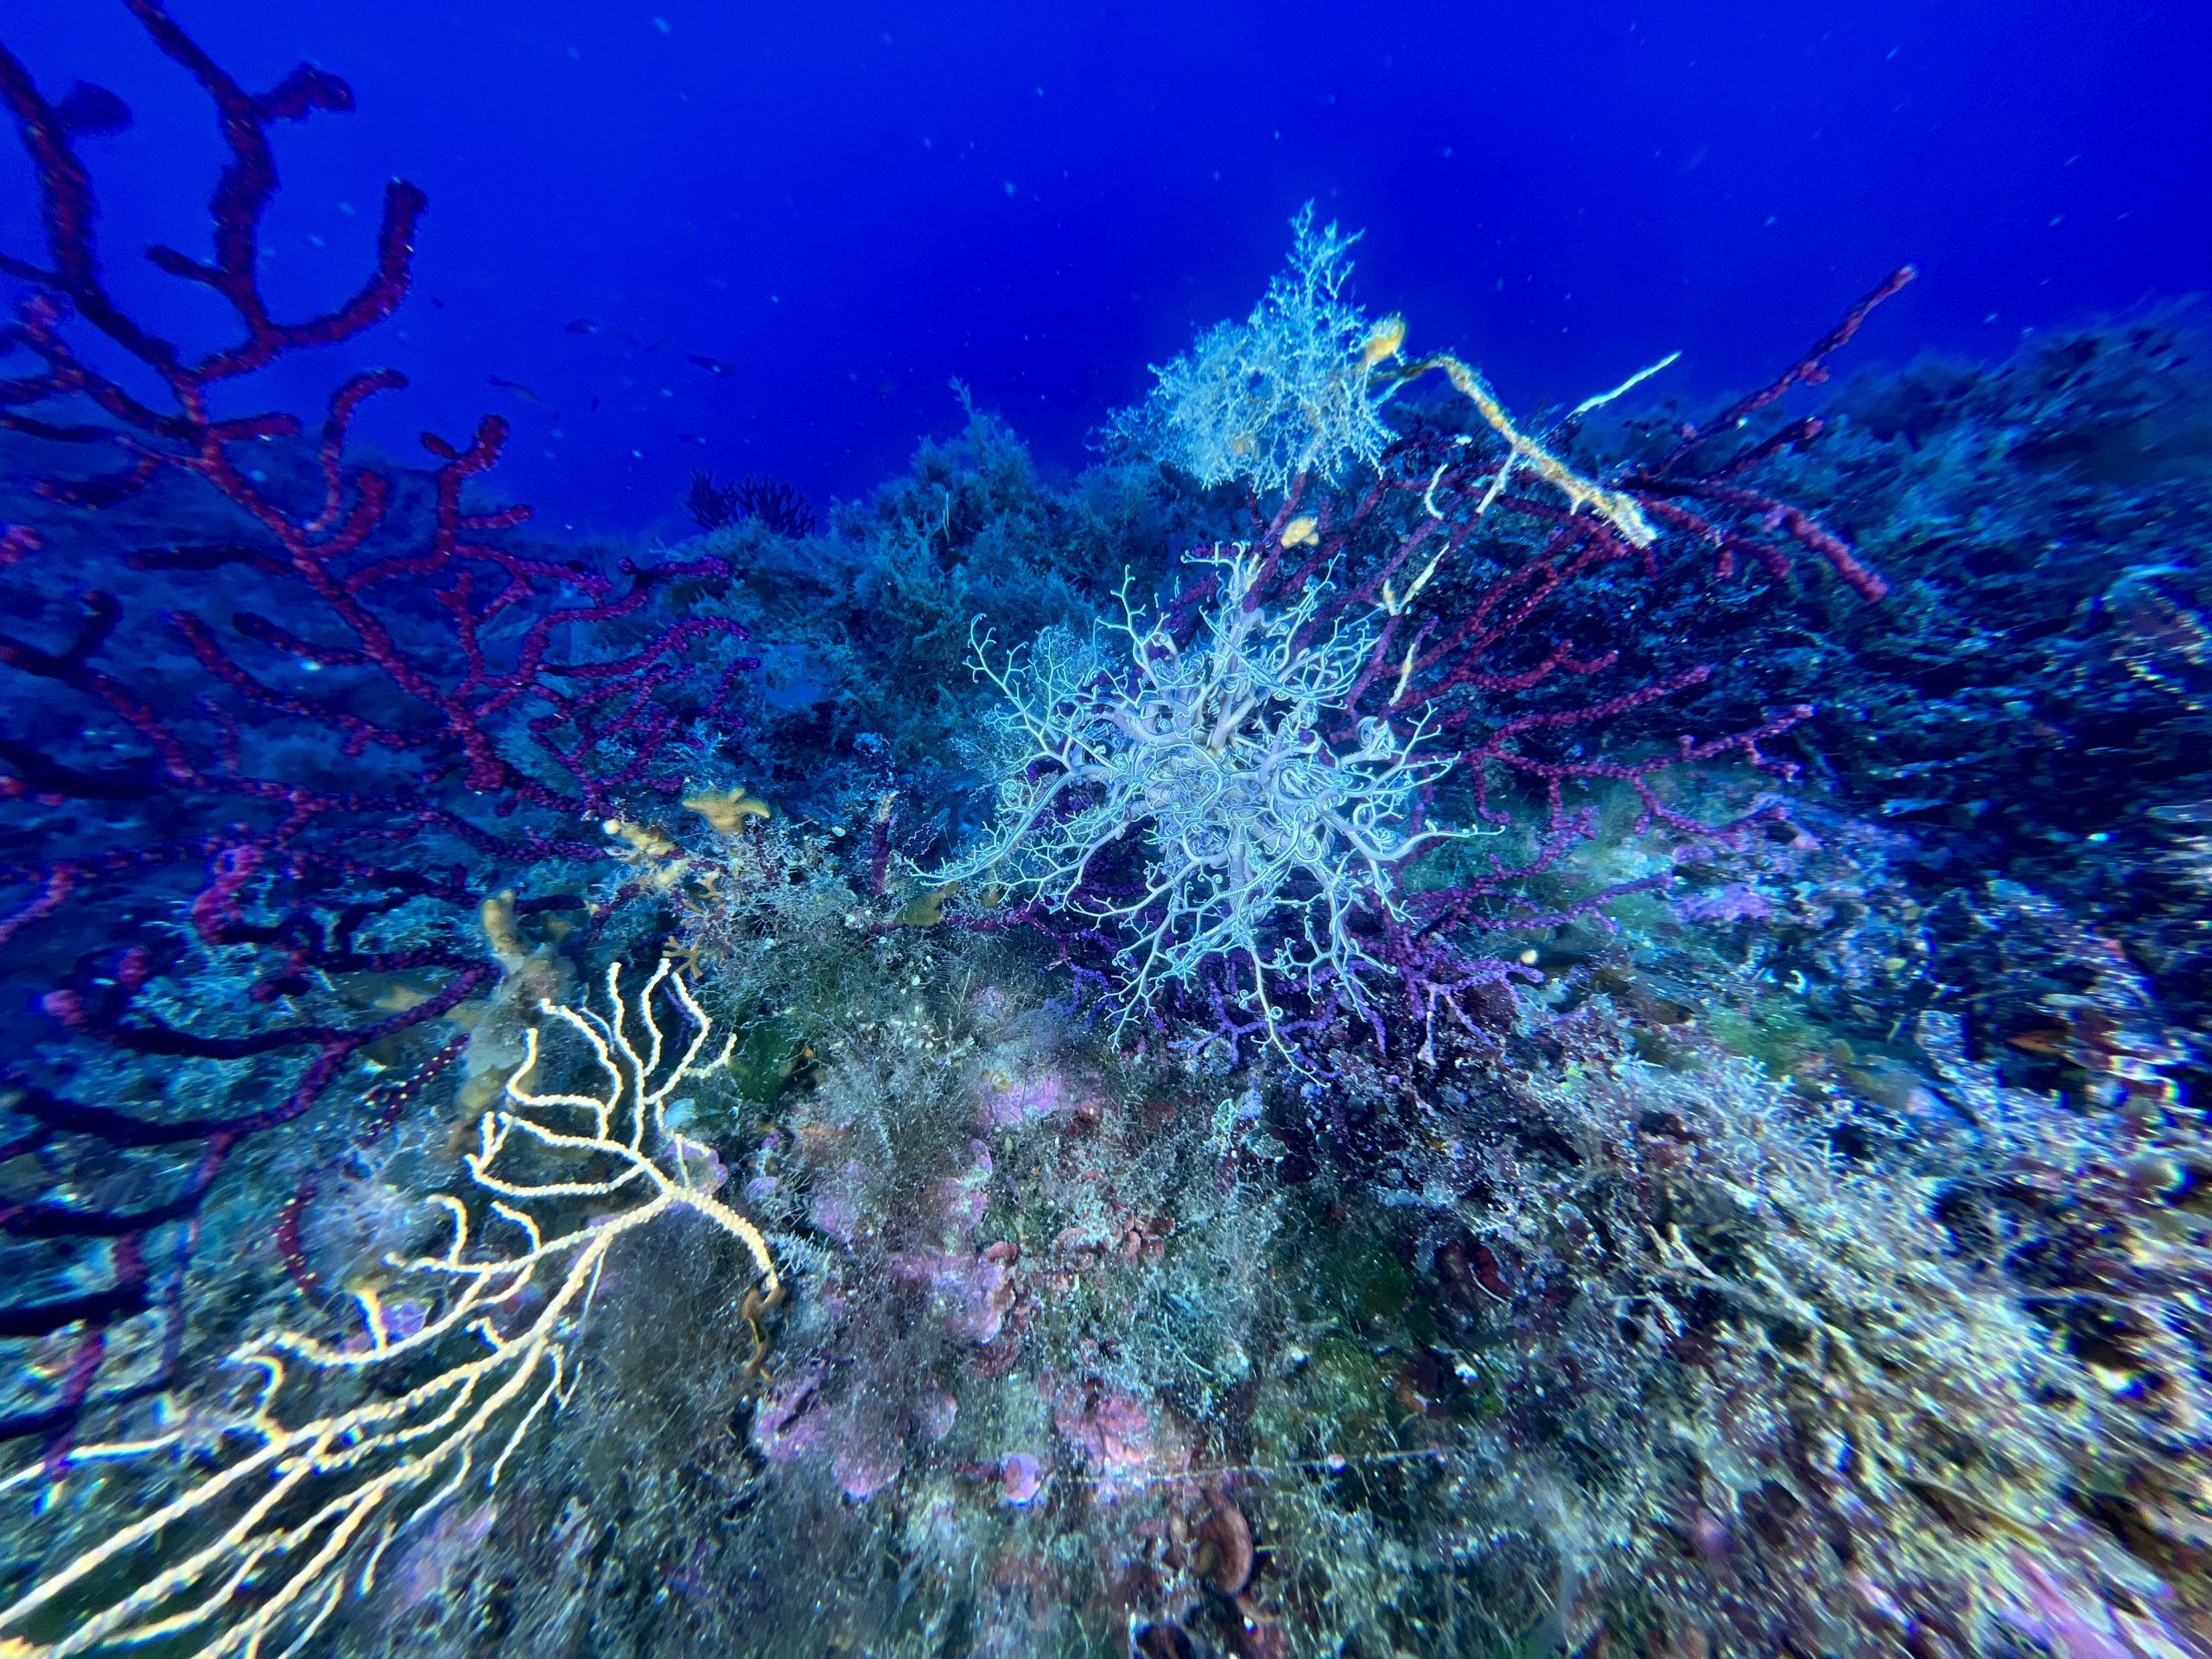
{"points": [[2029, 699], [1356, 673], [1300, 1115]]}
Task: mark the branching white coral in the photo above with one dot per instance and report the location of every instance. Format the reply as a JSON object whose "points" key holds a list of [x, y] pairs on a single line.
{"points": [[1264, 846], [1297, 389], [457, 1359], [1287, 390]]}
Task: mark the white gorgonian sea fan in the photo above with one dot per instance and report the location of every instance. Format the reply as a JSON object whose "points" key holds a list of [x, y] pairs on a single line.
{"points": [[1264, 846]]}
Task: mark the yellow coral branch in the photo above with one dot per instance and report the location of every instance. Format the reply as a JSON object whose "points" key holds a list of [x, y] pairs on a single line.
{"points": [[1619, 510], [262, 1550]]}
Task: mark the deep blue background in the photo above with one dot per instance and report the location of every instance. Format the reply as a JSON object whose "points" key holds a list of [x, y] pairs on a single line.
{"points": [[852, 203]]}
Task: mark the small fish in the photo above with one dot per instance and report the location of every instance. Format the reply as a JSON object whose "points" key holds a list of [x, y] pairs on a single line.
{"points": [[594, 403], [515, 386], [637, 345], [714, 365], [583, 326], [87, 109], [691, 438]]}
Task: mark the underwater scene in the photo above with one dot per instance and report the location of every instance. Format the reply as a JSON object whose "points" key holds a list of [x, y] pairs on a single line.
{"points": [[1249, 831]]}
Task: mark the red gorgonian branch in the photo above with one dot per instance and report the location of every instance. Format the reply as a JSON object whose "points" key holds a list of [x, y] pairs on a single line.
{"points": [[282, 762]]}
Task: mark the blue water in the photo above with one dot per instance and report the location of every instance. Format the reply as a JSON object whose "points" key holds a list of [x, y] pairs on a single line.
{"points": [[847, 206]]}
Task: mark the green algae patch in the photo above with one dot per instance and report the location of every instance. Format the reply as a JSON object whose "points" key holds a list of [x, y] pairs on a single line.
{"points": [[1774, 1034], [772, 1050]]}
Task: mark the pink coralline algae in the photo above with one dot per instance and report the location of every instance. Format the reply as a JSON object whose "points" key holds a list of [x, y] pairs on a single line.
{"points": [[1116, 1437], [709, 1173], [835, 1209], [796, 1419], [785, 1424], [1733, 903], [971, 1292], [1020, 1478], [940, 1412], [402, 1320], [863, 1471], [2074, 1621], [957, 1202], [1008, 1104], [426, 1566]]}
